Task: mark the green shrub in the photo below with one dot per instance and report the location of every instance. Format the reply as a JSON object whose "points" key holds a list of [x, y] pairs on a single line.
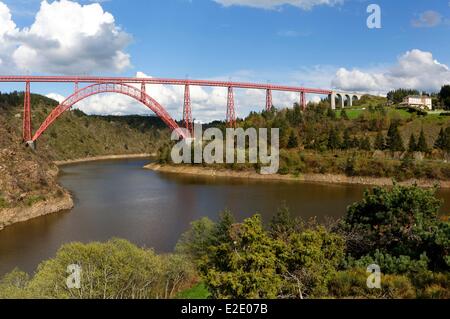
{"points": [[3, 202], [398, 221], [31, 200], [391, 264], [116, 269], [352, 283]]}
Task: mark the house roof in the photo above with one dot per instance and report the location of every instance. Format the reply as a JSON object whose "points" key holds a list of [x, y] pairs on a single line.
{"points": [[418, 96]]}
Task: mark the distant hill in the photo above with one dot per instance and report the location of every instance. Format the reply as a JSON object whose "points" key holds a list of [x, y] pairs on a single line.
{"points": [[77, 135]]}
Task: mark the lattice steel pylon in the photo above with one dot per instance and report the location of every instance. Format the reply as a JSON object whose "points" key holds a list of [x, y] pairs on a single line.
{"points": [[143, 91], [269, 103], [27, 114], [231, 112], [187, 110], [303, 100]]}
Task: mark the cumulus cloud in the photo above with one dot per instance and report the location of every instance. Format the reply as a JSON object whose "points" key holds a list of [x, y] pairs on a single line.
{"points": [[427, 19], [415, 69], [275, 4], [65, 38]]}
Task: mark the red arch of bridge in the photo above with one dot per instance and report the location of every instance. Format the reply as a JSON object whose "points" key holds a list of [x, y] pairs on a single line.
{"points": [[120, 88]]}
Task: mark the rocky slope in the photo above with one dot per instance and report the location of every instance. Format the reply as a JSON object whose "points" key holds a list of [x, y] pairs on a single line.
{"points": [[28, 180]]}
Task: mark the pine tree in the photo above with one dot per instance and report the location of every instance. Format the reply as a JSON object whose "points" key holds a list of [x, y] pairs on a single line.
{"points": [[293, 140], [331, 114], [440, 141], [422, 145], [446, 141], [347, 143], [394, 140], [380, 142], [412, 146], [334, 139]]}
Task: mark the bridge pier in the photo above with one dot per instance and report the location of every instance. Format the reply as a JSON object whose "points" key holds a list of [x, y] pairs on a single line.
{"points": [[231, 112], [333, 100], [344, 96], [31, 145], [187, 110], [27, 113], [269, 103], [303, 100]]}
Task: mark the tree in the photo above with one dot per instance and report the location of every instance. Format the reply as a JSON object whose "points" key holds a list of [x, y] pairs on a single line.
{"points": [[397, 96], [116, 269], [293, 140], [445, 96], [309, 261], [380, 142], [394, 140], [331, 114], [443, 140], [197, 240], [283, 224], [334, 139], [422, 145], [344, 114], [294, 116], [412, 145], [244, 267], [347, 142], [402, 221], [440, 141]]}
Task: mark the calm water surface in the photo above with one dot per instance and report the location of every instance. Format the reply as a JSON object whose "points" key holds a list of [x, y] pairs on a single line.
{"points": [[121, 199]]}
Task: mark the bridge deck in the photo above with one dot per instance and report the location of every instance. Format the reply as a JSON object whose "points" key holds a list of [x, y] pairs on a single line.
{"points": [[210, 83]]}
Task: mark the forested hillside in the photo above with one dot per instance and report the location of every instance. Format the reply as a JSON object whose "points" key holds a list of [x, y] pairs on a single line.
{"points": [[29, 177]]}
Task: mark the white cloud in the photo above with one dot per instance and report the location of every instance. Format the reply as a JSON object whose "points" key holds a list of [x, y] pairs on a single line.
{"points": [[65, 38], [275, 4], [55, 96], [415, 69]]}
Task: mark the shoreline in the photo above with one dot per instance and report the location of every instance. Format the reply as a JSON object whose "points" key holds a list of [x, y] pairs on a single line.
{"points": [[309, 178], [19, 214], [102, 158], [15, 215]]}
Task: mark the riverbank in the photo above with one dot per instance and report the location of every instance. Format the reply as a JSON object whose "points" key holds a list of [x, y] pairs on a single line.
{"points": [[9, 216], [22, 213], [315, 178], [103, 158]]}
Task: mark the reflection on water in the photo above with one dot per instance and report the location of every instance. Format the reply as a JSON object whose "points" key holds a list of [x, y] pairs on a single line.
{"points": [[121, 199]]}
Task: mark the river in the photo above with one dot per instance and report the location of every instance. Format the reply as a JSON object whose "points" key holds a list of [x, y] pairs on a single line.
{"points": [[121, 199]]}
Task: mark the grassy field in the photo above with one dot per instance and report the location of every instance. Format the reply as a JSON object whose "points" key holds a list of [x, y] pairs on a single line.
{"points": [[197, 292], [354, 113]]}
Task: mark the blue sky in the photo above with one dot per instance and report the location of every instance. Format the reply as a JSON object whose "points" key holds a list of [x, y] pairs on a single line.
{"points": [[326, 45]]}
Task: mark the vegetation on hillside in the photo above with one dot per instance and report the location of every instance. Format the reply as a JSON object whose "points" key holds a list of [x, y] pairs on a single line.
{"points": [[113, 270], [77, 135], [369, 141], [397, 229], [26, 177]]}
